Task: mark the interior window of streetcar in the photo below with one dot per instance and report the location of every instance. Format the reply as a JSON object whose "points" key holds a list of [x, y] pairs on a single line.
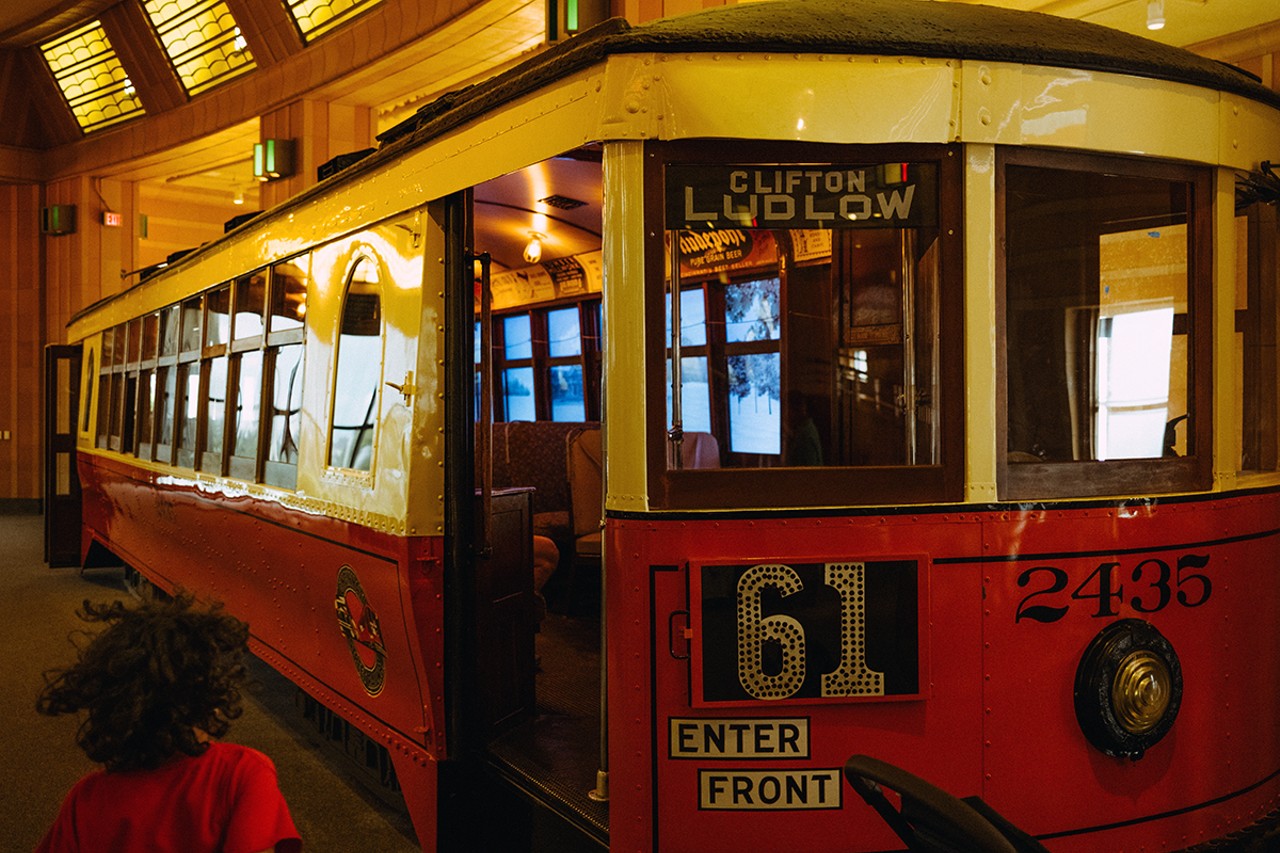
{"points": [[543, 360], [810, 324], [1103, 283]]}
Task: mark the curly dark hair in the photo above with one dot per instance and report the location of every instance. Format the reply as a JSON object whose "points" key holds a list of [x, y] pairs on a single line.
{"points": [[158, 673]]}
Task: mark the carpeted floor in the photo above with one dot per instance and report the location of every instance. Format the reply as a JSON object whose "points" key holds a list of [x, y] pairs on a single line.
{"points": [[40, 761]]}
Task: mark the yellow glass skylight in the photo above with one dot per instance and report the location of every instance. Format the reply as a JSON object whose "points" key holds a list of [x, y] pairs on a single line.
{"points": [[91, 78], [202, 40], [316, 17]]}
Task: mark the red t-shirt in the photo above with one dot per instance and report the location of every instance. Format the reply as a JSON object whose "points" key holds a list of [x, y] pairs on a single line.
{"points": [[225, 801]]}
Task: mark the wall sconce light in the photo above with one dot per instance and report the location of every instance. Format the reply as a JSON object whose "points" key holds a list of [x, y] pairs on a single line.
{"points": [[1155, 14], [533, 249], [272, 158], [238, 198]]}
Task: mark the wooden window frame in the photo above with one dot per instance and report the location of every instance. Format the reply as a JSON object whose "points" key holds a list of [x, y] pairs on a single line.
{"points": [[1054, 480], [541, 360], [725, 488]]}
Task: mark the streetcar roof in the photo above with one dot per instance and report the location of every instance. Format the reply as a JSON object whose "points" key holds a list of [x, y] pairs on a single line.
{"points": [[919, 28]]}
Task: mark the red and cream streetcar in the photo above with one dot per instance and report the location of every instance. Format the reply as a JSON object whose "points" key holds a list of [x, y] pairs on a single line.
{"points": [[895, 379]]}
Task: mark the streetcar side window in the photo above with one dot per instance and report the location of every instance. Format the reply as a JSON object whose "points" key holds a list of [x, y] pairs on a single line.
{"points": [[249, 300], [283, 366], [1257, 329], [166, 377], [813, 352], [358, 370], [147, 385], [1106, 328], [187, 382], [90, 382], [213, 407], [104, 387], [118, 368]]}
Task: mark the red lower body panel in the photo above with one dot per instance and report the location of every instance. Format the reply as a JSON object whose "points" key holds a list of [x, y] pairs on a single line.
{"points": [[749, 658], [353, 616]]}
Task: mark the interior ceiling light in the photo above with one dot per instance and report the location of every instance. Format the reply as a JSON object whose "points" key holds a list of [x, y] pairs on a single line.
{"points": [[533, 249], [1155, 14]]}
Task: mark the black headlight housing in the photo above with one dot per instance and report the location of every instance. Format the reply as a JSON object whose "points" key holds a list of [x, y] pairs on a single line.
{"points": [[1128, 688]]}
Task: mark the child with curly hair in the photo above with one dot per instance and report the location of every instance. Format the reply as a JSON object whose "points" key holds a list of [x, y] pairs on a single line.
{"points": [[160, 685]]}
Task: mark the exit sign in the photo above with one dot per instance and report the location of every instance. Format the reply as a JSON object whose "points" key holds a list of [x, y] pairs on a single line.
{"points": [[111, 219]]}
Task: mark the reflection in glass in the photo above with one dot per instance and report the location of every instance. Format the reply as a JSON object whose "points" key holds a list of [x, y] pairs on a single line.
{"points": [[288, 297], [135, 340], [189, 410], [191, 325], [146, 405], [286, 404], [215, 416], [166, 385], [1096, 315], [359, 371], [247, 414], [814, 347], [219, 317], [150, 331], [169, 327], [251, 297]]}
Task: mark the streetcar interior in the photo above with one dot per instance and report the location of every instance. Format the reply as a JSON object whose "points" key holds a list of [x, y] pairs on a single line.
{"points": [[538, 430]]}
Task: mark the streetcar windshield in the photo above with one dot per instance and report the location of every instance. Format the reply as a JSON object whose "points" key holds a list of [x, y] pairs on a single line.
{"points": [[1101, 325], [809, 322]]}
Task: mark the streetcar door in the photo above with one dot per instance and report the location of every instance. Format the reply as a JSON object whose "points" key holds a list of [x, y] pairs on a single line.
{"points": [[61, 482], [522, 334]]}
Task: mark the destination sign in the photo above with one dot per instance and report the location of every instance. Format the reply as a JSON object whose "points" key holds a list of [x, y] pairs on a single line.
{"points": [[884, 195], [787, 632]]}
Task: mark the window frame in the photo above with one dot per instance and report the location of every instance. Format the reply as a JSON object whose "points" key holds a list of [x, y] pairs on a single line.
{"points": [[277, 472], [364, 255], [213, 460], [724, 488], [167, 361], [541, 361], [1257, 324], [1092, 478]]}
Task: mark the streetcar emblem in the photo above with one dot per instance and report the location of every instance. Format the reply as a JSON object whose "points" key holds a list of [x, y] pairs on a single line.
{"points": [[359, 624]]}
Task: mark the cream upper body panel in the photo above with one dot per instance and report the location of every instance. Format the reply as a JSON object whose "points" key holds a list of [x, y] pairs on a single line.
{"points": [[667, 96]]}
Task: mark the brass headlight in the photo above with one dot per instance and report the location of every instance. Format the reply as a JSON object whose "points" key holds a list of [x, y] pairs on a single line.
{"points": [[1128, 688]]}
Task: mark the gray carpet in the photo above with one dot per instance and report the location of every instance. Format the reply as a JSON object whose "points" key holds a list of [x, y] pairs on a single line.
{"points": [[40, 760]]}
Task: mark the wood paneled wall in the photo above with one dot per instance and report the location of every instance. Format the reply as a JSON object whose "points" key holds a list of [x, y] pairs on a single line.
{"points": [[21, 343]]}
